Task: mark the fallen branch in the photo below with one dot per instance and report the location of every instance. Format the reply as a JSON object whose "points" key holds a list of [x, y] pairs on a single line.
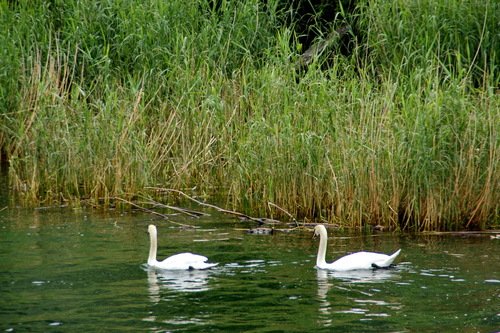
{"points": [[219, 209], [319, 47], [189, 212], [154, 213], [284, 211], [464, 233]]}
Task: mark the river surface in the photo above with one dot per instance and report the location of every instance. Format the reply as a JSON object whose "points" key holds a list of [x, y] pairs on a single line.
{"points": [[75, 270]]}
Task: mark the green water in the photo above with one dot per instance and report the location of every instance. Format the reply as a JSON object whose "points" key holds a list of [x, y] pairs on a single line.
{"points": [[64, 270]]}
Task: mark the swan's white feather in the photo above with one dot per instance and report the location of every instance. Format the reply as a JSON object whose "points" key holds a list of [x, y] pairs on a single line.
{"points": [[180, 261], [184, 261], [360, 260], [354, 261]]}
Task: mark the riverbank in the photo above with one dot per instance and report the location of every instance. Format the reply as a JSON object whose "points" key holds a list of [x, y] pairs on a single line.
{"points": [[106, 99]]}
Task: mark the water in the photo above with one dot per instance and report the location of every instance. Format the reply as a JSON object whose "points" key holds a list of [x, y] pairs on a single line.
{"points": [[64, 270]]}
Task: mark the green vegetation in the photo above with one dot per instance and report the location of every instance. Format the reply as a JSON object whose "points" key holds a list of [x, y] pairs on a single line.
{"points": [[107, 98]]}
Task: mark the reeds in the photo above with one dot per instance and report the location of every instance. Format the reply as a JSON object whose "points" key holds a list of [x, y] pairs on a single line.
{"points": [[106, 98]]}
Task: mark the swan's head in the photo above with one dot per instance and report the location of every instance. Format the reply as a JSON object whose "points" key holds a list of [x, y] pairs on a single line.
{"points": [[319, 230], [152, 229]]}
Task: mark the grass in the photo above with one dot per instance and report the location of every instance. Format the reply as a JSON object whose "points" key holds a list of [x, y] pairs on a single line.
{"points": [[107, 98]]}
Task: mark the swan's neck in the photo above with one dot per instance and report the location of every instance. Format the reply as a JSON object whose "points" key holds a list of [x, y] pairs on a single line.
{"points": [[320, 260], [152, 248]]}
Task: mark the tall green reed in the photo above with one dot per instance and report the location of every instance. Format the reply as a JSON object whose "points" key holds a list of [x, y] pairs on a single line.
{"points": [[113, 97]]}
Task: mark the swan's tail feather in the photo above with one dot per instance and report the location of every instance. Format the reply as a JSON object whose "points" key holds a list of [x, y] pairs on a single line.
{"points": [[387, 262], [395, 254]]}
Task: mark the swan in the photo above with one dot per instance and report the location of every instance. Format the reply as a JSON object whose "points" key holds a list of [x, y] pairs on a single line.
{"points": [[180, 261], [358, 260]]}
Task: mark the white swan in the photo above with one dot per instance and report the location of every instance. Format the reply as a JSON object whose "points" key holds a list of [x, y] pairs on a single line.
{"points": [[181, 261], [358, 260]]}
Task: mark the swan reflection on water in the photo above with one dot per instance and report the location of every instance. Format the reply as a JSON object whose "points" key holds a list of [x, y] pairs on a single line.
{"points": [[325, 307], [360, 276], [327, 279], [182, 281]]}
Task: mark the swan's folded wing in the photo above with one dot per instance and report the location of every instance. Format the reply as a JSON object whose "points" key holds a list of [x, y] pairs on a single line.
{"points": [[358, 260], [185, 258], [185, 261], [202, 265], [363, 260]]}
